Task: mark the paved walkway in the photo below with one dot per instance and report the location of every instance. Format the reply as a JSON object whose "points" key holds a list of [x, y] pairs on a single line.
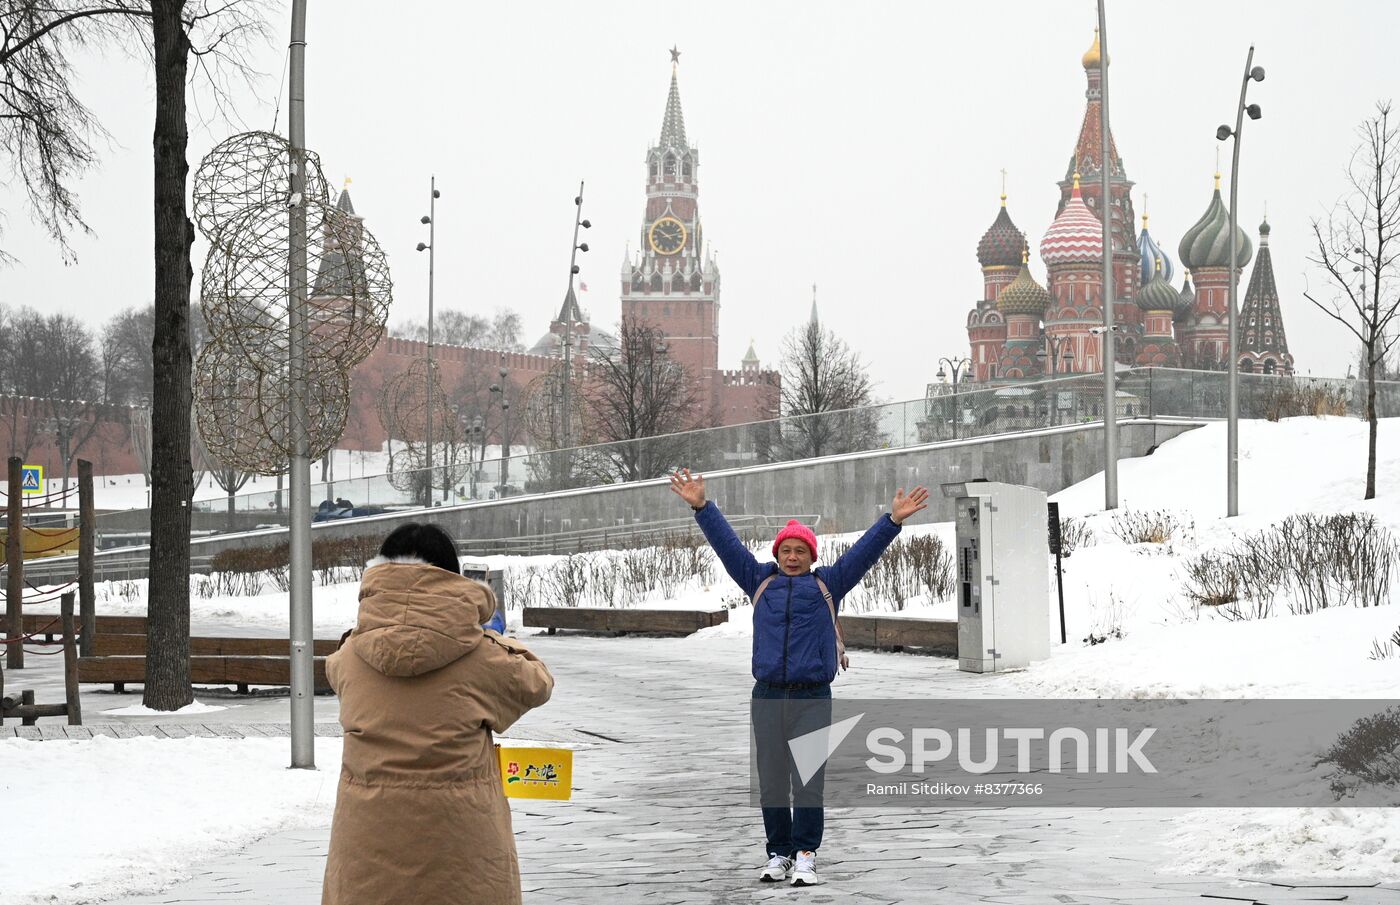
{"points": [[661, 809]]}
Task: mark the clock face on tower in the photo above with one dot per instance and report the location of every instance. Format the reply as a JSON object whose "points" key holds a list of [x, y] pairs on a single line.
{"points": [[667, 236]]}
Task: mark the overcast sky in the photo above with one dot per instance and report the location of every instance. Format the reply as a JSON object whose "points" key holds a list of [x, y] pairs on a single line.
{"points": [[857, 146]]}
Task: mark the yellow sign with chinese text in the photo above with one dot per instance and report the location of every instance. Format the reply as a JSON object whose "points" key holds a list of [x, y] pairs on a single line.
{"points": [[546, 773]]}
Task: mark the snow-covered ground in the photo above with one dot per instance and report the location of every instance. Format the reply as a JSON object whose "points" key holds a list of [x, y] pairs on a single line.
{"points": [[136, 836], [1156, 644]]}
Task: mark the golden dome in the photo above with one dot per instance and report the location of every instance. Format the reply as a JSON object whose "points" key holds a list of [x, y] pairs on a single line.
{"points": [[1091, 56]]}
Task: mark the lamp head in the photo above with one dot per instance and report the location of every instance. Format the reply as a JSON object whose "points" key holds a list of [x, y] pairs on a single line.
{"points": [[1257, 73], [1223, 133], [422, 246], [437, 193], [583, 247], [426, 220], [578, 201], [1254, 111], [573, 269], [586, 224], [941, 374]]}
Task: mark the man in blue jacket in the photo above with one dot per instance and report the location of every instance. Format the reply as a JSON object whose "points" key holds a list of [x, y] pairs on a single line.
{"points": [[797, 650]]}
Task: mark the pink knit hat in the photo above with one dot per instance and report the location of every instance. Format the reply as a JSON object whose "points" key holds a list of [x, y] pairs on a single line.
{"points": [[795, 529]]}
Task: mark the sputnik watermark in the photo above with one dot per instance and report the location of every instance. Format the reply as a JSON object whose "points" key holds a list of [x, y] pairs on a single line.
{"points": [[1112, 749], [1089, 753]]}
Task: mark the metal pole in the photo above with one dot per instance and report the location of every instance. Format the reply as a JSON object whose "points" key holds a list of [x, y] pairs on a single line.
{"points": [[569, 323], [428, 416], [1232, 441], [299, 518], [1110, 396], [14, 560]]}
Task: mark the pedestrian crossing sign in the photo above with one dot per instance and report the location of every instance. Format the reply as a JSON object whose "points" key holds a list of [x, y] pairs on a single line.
{"points": [[31, 479]]}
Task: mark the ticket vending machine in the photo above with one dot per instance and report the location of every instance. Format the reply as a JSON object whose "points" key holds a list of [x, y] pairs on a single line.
{"points": [[1003, 577]]}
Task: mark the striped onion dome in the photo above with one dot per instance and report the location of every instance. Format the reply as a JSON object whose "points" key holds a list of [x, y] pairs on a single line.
{"points": [[1076, 236], [1158, 294], [1002, 243], [1023, 295], [1153, 256], [1185, 299], [1207, 244]]}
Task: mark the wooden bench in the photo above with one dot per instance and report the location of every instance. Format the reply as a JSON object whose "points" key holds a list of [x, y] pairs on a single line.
{"points": [[48, 625], [891, 632], [126, 645], [204, 670], [619, 621]]}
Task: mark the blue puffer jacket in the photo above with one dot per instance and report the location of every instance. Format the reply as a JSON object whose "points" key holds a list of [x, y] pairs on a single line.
{"points": [[794, 641]]}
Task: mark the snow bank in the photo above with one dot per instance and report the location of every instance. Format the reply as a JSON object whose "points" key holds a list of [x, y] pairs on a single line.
{"points": [[132, 815], [1266, 843]]}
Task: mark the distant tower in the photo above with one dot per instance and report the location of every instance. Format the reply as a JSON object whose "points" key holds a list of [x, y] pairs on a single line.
{"points": [[1088, 161], [1158, 301], [1023, 304], [673, 284], [1205, 250], [751, 365], [1000, 252], [1072, 250], [1263, 344]]}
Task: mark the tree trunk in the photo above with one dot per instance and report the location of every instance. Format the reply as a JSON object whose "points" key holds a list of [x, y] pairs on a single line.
{"points": [[172, 477], [1371, 421], [229, 521]]}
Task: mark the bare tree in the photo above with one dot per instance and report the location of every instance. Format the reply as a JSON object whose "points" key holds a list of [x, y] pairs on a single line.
{"points": [[70, 385], [638, 394], [1359, 245], [502, 330], [826, 392], [127, 372]]}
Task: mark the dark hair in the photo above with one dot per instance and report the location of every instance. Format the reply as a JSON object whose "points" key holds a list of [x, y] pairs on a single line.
{"points": [[427, 542]]}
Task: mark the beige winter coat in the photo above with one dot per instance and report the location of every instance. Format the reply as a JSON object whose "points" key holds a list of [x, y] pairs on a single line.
{"points": [[420, 818]]}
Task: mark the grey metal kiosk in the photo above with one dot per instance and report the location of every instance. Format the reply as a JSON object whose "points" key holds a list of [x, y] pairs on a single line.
{"points": [[1003, 577]]}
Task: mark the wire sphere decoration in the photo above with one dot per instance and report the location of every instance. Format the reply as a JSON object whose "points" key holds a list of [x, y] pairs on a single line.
{"points": [[244, 415], [544, 418], [403, 409], [250, 170], [244, 297]]}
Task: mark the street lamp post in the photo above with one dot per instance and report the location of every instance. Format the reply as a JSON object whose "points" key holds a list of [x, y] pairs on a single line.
{"points": [[956, 365], [1252, 73], [431, 222], [1110, 364], [566, 427], [505, 423]]}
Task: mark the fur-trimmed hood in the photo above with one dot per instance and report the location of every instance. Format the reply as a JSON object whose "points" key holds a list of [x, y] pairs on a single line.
{"points": [[415, 618]]}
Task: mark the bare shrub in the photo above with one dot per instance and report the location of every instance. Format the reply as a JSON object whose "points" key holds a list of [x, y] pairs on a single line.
{"points": [[1305, 562], [1386, 650], [1367, 754], [565, 582], [1289, 398], [1140, 526], [1106, 621], [1074, 533], [202, 586], [909, 567]]}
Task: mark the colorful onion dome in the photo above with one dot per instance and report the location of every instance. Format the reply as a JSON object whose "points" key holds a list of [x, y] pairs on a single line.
{"points": [[1023, 295], [1185, 299], [1207, 244], [1076, 236], [1001, 245], [1091, 56], [1158, 294], [1153, 256]]}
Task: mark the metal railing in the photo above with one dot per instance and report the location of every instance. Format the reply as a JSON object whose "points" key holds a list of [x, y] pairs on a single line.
{"points": [[971, 413]]}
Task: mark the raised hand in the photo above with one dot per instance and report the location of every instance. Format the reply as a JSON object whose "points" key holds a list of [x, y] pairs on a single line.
{"points": [[905, 506], [688, 487]]}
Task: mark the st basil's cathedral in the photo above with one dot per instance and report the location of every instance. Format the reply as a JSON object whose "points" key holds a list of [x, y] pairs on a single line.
{"points": [[1022, 330]]}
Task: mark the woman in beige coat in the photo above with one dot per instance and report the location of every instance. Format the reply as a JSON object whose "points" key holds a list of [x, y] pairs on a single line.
{"points": [[420, 816]]}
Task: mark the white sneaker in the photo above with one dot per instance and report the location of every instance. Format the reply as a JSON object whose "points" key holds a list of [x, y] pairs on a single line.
{"points": [[805, 873], [777, 868]]}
